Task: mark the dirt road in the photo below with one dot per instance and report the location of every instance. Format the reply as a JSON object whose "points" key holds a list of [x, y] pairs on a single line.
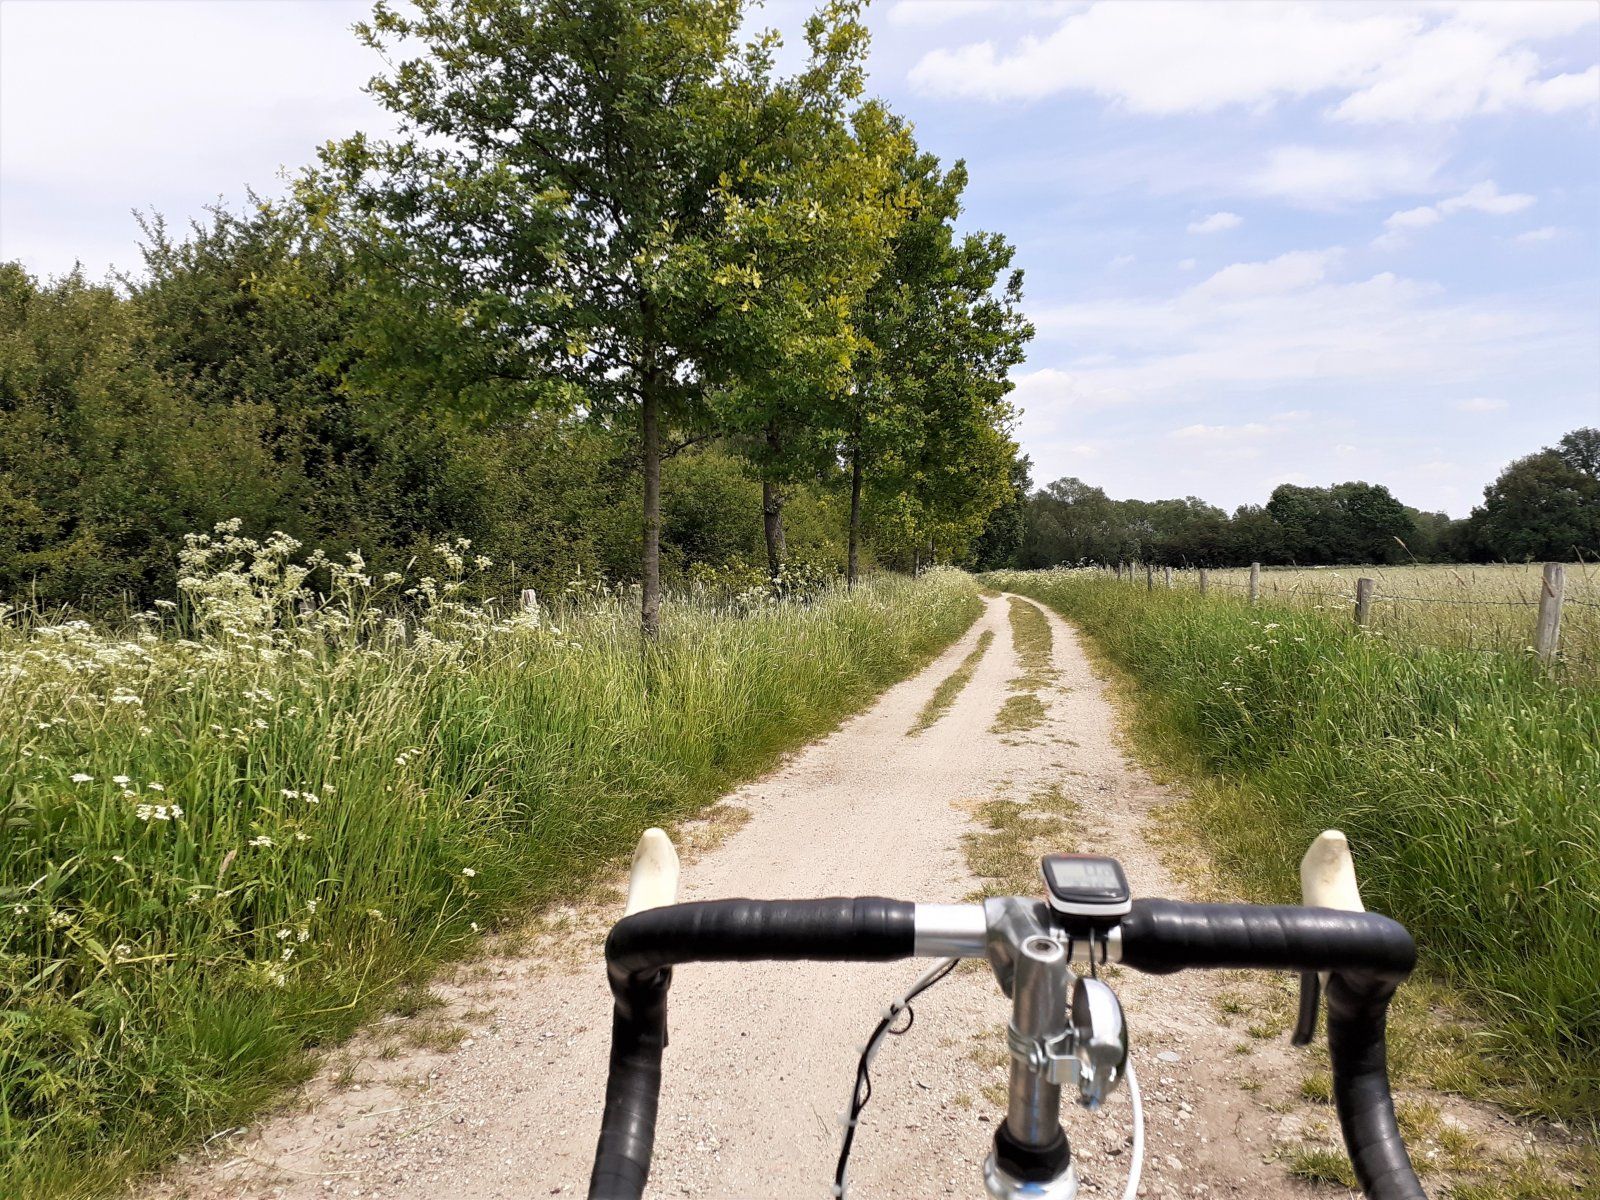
{"points": [[762, 1057]]}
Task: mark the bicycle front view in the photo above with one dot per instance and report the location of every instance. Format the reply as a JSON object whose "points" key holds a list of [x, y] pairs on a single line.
{"points": [[1067, 1029]]}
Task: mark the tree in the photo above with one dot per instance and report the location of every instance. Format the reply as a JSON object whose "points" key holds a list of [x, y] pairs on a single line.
{"points": [[1347, 523], [1000, 544], [565, 218], [1580, 450], [1546, 505], [927, 421], [104, 463], [817, 206]]}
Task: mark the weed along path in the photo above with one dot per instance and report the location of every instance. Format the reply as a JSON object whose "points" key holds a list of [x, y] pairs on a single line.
{"points": [[490, 1084]]}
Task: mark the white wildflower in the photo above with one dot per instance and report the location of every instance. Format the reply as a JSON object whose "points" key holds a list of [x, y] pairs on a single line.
{"points": [[80, 777], [468, 872], [121, 779], [261, 841]]}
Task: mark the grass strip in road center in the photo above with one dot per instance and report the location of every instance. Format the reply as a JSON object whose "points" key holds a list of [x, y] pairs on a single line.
{"points": [[1030, 635], [951, 686]]}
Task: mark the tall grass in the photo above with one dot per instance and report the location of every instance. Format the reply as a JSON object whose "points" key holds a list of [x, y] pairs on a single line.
{"points": [[227, 830], [1486, 608], [1469, 785]]}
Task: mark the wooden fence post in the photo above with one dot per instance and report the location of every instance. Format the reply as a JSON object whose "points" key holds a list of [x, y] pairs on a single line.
{"points": [[1149, 577], [1203, 580], [1255, 583], [1547, 633], [529, 600], [1166, 573], [1363, 601]]}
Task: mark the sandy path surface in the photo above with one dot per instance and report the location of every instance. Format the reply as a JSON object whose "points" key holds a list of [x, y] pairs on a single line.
{"points": [[762, 1056]]}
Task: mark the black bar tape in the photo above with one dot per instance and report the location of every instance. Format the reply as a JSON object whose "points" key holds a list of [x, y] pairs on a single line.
{"points": [[1367, 956], [1162, 936], [1358, 1012], [640, 953]]}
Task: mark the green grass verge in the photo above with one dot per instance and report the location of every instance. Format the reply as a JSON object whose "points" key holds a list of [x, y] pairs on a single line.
{"points": [[1030, 637], [951, 686], [220, 851], [1469, 785]]}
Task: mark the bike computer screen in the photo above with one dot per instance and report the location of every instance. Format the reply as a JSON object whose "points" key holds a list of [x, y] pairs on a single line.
{"points": [[1086, 885]]}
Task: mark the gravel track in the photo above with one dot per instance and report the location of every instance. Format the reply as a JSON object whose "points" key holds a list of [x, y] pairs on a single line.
{"points": [[762, 1055]]}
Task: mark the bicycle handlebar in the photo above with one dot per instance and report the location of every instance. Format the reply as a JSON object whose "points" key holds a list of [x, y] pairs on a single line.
{"points": [[1368, 955]]}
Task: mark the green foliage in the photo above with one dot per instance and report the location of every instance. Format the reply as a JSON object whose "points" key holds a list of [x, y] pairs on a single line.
{"points": [[928, 420], [220, 850], [1469, 786], [103, 463], [1545, 506], [1346, 523]]}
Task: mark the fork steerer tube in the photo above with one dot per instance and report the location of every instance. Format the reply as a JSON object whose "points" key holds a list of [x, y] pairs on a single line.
{"points": [[1039, 1015]]}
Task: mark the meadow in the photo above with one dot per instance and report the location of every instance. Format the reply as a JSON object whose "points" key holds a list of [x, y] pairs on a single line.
{"points": [[231, 828], [1468, 781], [1473, 607]]}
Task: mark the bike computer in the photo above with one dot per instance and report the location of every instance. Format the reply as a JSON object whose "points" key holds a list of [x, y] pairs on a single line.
{"points": [[1086, 885]]}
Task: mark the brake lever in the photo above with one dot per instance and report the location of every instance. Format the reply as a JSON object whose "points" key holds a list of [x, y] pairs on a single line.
{"points": [[1305, 1025], [1327, 880]]}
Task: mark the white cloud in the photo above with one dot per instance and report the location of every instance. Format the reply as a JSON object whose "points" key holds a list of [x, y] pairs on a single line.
{"points": [[1291, 272], [1437, 63], [1217, 338], [1481, 404], [927, 13], [1164, 58], [1545, 233], [1485, 197], [1414, 218], [1121, 261], [1215, 433], [1331, 176], [1187, 264], [1217, 222]]}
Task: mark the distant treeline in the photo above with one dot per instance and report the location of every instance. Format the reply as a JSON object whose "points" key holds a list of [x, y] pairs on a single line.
{"points": [[617, 301], [1545, 506]]}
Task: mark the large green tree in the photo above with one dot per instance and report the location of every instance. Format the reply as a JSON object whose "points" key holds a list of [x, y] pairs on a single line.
{"points": [[927, 420], [818, 202], [572, 213], [1546, 505]]}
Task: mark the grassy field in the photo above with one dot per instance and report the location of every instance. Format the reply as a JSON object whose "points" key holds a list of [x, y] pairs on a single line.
{"points": [[1487, 608], [229, 830], [1469, 784]]}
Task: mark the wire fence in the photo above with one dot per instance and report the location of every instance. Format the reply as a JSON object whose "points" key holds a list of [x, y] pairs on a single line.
{"points": [[1550, 610]]}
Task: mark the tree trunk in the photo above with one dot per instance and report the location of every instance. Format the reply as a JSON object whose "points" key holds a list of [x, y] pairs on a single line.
{"points": [[853, 564], [772, 507], [772, 526], [650, 416]]}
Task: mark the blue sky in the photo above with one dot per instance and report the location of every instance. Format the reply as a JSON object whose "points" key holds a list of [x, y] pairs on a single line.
{"points": [[1263, 242]]}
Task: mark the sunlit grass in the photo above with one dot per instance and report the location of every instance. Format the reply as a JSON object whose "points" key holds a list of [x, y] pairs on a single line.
{"points": [[229, 831], [1485, 608], [951, 686], [1030, 637]]}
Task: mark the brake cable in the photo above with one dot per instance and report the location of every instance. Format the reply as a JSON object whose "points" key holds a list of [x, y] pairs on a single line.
{"points": [[861, 1092]]}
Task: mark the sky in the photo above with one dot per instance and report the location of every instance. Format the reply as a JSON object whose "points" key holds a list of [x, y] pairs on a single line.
{"points": [[1263, 243]]}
